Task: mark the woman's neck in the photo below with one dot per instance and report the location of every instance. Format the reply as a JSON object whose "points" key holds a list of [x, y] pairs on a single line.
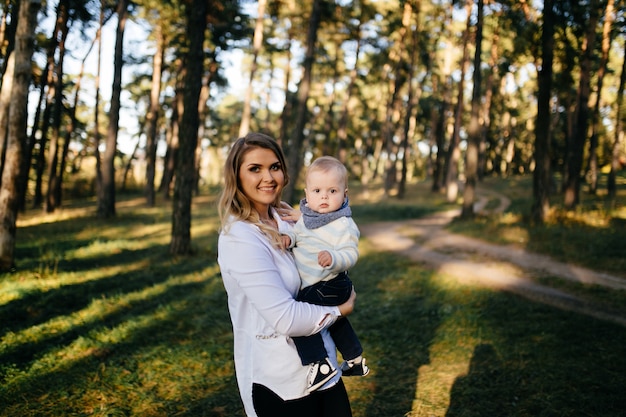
{"points": [[265, 214]]}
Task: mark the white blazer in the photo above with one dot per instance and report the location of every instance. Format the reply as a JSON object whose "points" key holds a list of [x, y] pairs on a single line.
{"points": [[262, 283]]}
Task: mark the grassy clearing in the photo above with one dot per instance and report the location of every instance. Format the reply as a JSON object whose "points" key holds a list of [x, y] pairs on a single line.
{"points": [[592, 235], [99, 320]]}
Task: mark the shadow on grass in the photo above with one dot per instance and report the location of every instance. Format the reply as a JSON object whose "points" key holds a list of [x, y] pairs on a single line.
{"points": [[73, 298], [48, 244], [364, 213], [174, 357], [542, 362], [39, 306], [396, 318], [525, 359]]}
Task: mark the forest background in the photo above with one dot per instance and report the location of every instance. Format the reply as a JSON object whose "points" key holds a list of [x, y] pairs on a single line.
{"points": [[107, 306], [448, 92]]}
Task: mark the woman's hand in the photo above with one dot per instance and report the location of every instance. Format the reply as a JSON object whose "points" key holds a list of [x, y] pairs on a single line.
{"points": [[288, 213], [347, 307]]}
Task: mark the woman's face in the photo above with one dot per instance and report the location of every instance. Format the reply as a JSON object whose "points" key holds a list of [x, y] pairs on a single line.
{"points": [[261, 178]]}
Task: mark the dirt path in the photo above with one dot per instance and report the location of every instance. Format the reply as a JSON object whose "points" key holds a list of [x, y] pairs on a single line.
{"points": [[505, 268]]}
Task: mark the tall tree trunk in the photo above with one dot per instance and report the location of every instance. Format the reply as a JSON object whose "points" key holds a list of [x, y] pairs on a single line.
{"points": [[592, 165], [577, 145], [398, 67], [297, 138], [30, 146], [327, 147], [454, 153], [180, 243], [619, 132], [106, 197], [49, 80], [439, 121], [203, 114], [69, 131], [267, 122], [51, 202], [4, 119], [96, 117], [412, 100], [3, 27], [8, 32], [153, 115], [16, 81], [285, 114], [173, 135], [342, 129], [542, 174], [474, 131], [257, 43], [492, 77]]}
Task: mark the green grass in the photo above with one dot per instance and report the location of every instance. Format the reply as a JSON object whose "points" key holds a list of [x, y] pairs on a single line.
{"points": [[99, 320], [593, 235]]}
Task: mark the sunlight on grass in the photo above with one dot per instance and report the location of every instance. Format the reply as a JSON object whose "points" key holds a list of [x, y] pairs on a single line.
{"points": [[21, 287], [177, 362], [139, 235], [99, 319], [98, 311], [101, 246], [450, 353], [515, 235], [34, 218]]}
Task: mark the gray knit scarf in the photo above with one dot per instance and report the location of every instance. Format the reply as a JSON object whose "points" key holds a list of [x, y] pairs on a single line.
{"points": [[313, 220]]}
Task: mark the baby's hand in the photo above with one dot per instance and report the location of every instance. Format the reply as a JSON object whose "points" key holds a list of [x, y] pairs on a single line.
{"points": [[286, 241], [324, 259]]}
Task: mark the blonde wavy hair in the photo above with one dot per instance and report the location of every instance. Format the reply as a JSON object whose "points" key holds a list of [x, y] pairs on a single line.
{"points": [[233, 203]]}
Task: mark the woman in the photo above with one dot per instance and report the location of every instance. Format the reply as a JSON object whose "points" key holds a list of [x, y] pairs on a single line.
{"points": [[262, 282]]}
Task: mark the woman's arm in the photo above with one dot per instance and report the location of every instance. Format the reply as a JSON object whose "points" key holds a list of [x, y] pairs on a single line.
{"points": [[245, 258]]}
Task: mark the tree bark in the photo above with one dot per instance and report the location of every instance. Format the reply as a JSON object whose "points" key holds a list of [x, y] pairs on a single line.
{"points": [[397, 67], [492, 78], [297, 138], [106, 197], [342, 129], [439, 117], [619, 132], [17, 81], [51, 201], [592, 164], [153, 115], [96, 113], [542, 174], [413, 97], [577, 145], [257, 43], [454, 153], [474, 131], [180, 243]]}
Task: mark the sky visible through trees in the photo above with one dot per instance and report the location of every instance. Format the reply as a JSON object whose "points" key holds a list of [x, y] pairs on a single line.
{"points": [[398, 90]]}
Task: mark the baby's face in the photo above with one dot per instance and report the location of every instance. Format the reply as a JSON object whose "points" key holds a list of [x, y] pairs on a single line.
{"points": [[325, 191]]}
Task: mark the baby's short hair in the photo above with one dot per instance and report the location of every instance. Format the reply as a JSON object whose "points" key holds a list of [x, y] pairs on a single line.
{"points": [[327, 163]]}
